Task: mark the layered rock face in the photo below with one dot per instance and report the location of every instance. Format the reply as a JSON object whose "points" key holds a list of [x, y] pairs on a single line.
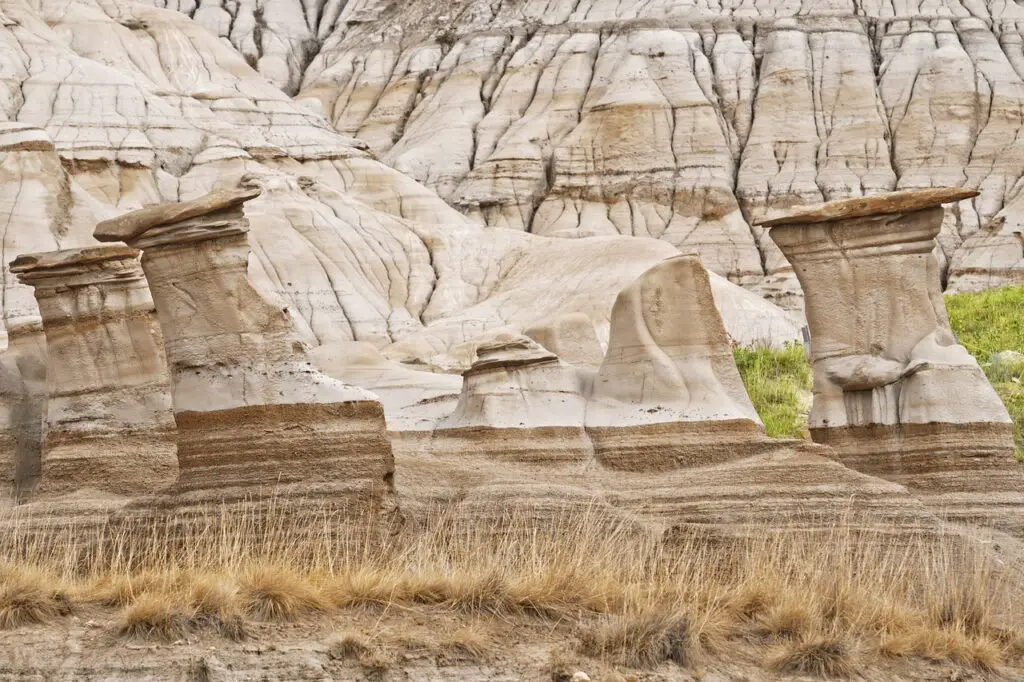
{"points": [[107, 423], [519, 402], [682, 121], [668, 391], [253, 415], [894, 393]]}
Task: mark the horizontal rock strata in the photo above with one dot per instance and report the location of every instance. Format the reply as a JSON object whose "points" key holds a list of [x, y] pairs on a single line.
{"points": [[894, 393], [254, 416], [107, 423], [22, 395]]}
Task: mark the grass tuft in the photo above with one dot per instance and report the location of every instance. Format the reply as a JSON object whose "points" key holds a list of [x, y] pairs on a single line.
{"points": [[27, 597], [155, 616], [277, 593], [466, 644], [214, 601], [640, 640], [348, 646], [818, 656]]}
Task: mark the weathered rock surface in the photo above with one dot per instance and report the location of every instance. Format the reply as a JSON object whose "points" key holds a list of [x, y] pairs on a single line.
{"points": [[894, 393], [571, 337], [359, 252], [253, 415], [519, 402], [22, 393], [668, 392], [678, 120], [107, 421], [559, 118]]}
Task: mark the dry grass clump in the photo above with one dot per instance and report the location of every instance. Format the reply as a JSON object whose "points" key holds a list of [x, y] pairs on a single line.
{"points": [[27, 596], [277, 593], [354, 646], [467, 644], [155, 616], [215, 605], [640, 640], [800, 600], [348, 645], [819, 656]]}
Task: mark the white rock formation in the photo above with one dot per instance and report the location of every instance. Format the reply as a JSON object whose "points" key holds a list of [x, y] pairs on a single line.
{"points": [[894, 393], [668, 392], [359, 252], [678, 120], [571, 337], [519, 403], [251, 410], [107, 423]]}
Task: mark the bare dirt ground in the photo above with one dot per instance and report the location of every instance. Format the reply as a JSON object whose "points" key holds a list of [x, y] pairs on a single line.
{"points": [[385, 644]]}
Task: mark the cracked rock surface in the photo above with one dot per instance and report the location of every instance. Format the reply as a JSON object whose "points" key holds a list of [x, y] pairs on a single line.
{"points": [[684, 121]]}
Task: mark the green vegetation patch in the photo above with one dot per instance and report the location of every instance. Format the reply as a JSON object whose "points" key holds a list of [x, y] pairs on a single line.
{"points": [[779, 385], [988, 323]]}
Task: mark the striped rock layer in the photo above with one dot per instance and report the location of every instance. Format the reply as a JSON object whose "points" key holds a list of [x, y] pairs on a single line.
{"points": [[894, 394], [107, 423], [254, 416]]}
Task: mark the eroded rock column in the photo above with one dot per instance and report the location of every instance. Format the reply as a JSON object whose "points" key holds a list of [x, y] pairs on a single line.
{"points": [[518, 403], [894, 393], [668, 392], [107, 422], [254, 416], [22, 394]]}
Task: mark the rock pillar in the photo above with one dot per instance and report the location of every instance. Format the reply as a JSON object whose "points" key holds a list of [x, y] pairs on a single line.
{"points": [[254, 416], [107, 423], [894, 393], [22, 394]]}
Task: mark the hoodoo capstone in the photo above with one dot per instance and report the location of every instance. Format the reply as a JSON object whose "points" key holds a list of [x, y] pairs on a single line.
{"points": [[254, 416], [668, 392], [894, 393]]}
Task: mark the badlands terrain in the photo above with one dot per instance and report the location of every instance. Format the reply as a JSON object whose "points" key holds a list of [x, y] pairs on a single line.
{"points": [[397, 340]]}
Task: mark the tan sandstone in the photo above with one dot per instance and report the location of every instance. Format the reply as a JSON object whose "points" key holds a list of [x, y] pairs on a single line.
{"points": [[668, 392], [520, 403], [253, 414], [894, 393], [107, 420]]}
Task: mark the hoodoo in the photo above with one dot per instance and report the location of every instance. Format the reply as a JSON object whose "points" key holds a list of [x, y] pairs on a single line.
{"points": [[254, 416], [107, 422], [22, 393], [894, 393], [519, 402]]}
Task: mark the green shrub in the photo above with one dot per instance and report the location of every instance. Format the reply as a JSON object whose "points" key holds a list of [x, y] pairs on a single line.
{"points": [[779, 384], [986, 323]]}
